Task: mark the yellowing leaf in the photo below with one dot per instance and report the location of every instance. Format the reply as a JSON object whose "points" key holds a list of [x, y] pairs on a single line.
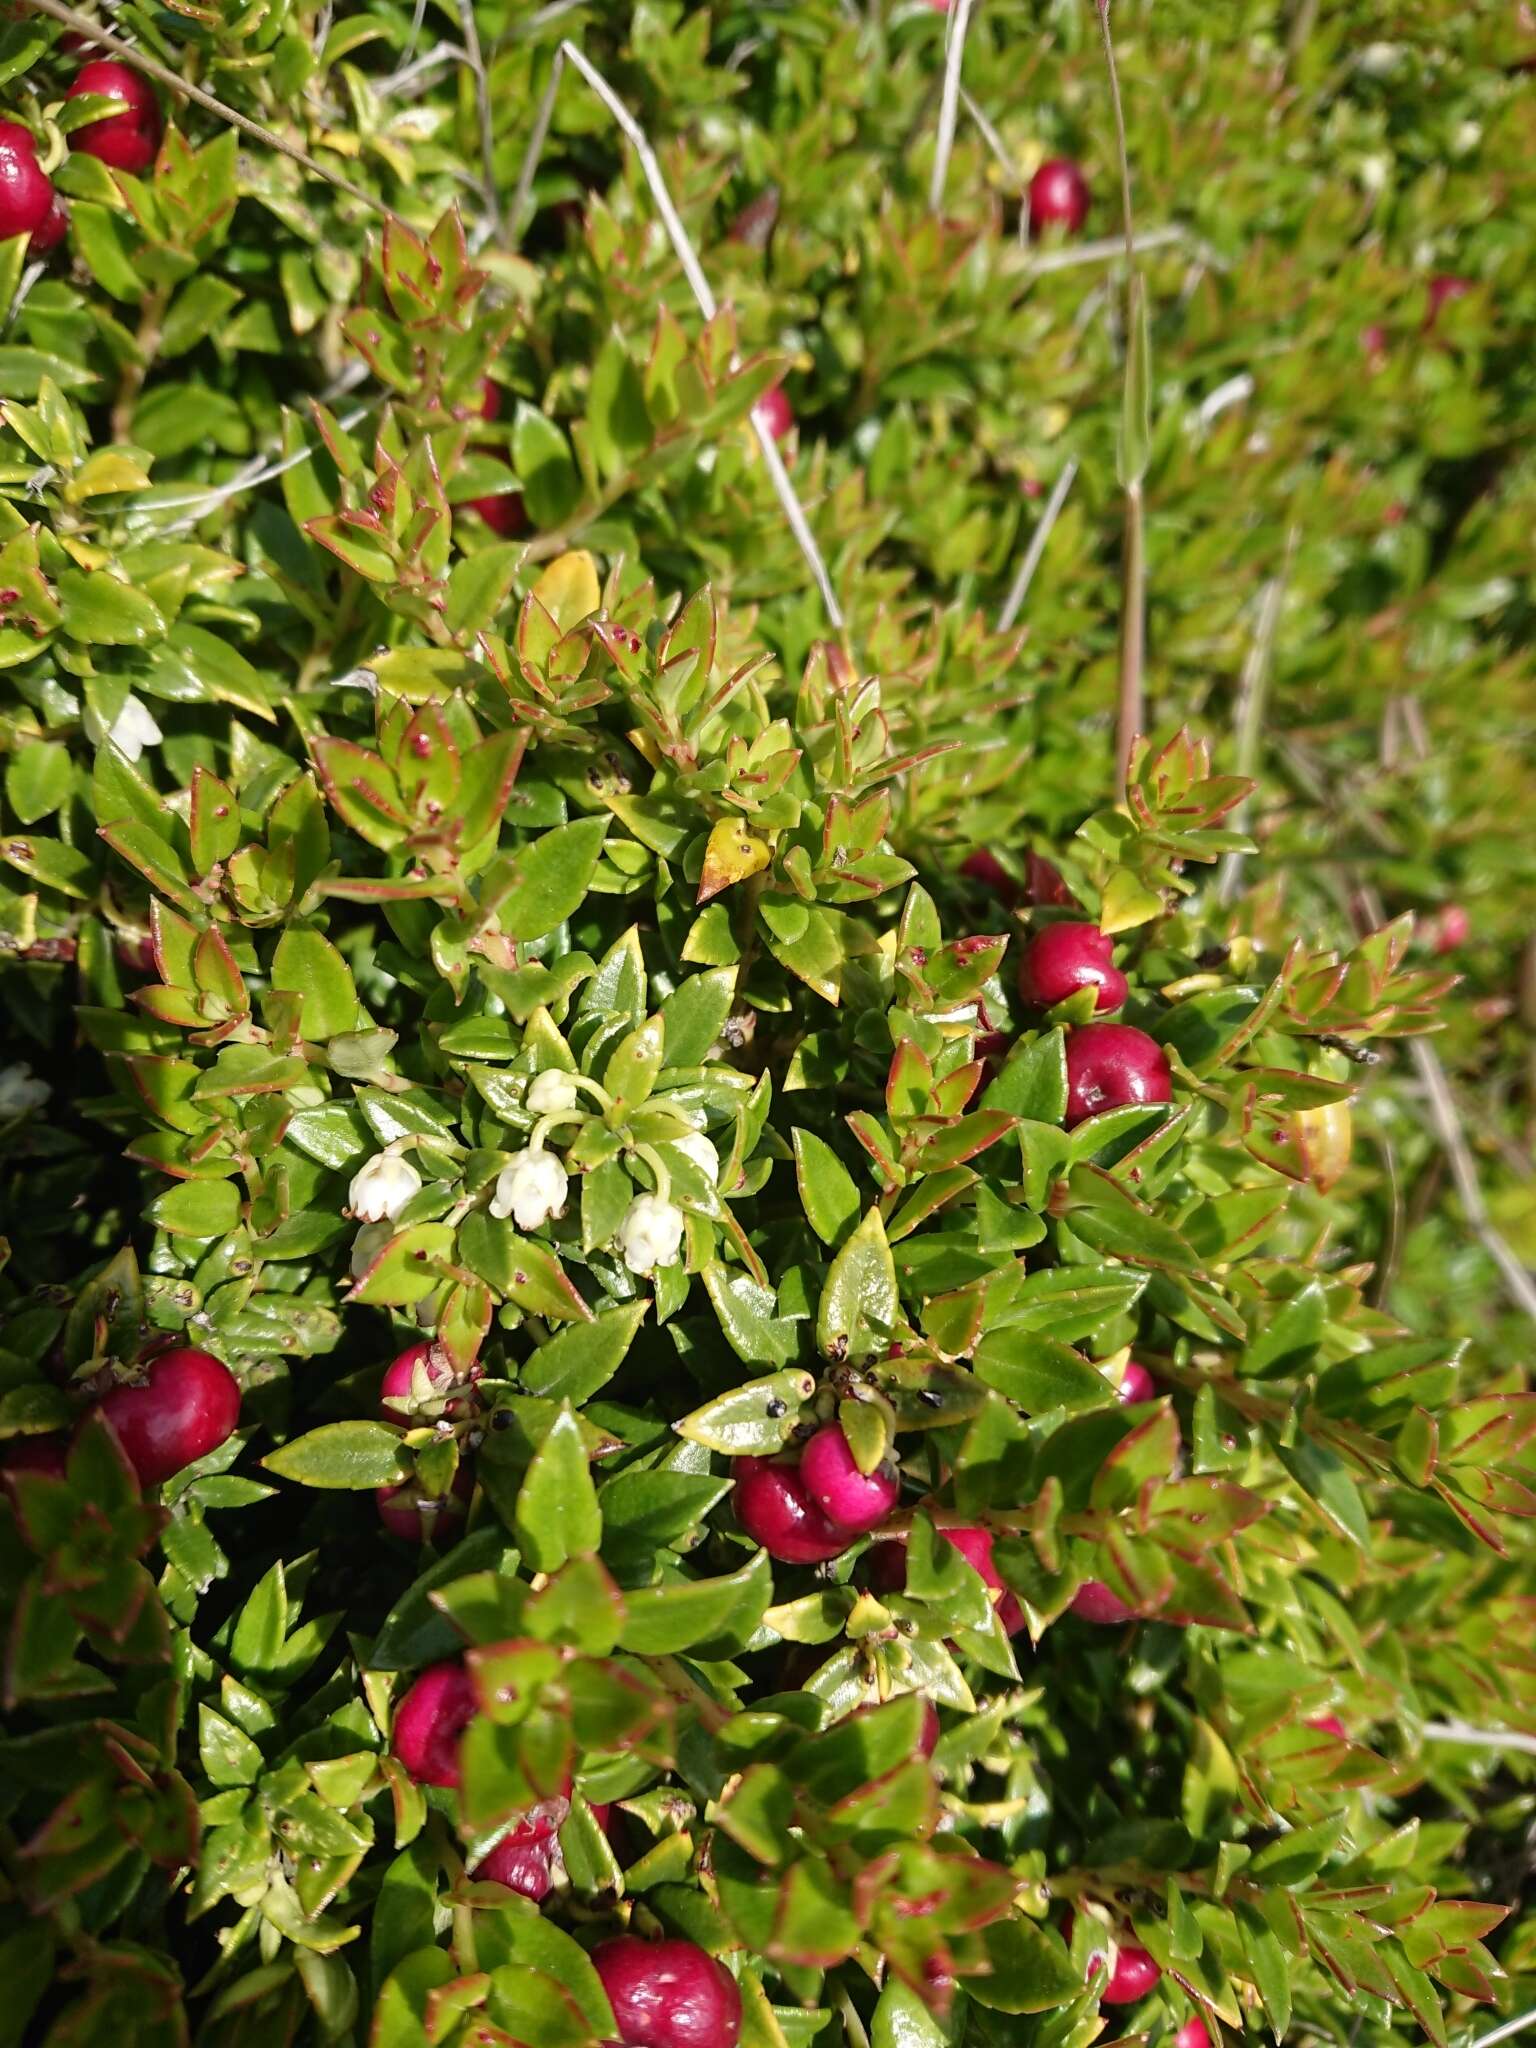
{"points": [[1127, 903], [734, 852], [568, 589]]}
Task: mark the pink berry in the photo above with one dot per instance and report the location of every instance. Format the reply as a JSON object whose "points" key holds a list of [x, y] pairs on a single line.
{"points": [[1373, 341], [1451, 929], [519, 1864], [772, 412], [430, 1723], [1329, 1724], [888, 1568], [1136, 1384], [1110, 1065], [418, 1517], [852, 1500], [1132, 1973], [400, 1378], [1193, 2034], [128, 141], [1058, 196], [1443, 289], [26, 190], [987, 869], [1093, 1601], [772, 1505], [1063, 958], [181, 1406], [668, 1994]]}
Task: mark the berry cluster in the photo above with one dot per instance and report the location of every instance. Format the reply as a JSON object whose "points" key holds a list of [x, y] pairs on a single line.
{"points": [[126, 141]]}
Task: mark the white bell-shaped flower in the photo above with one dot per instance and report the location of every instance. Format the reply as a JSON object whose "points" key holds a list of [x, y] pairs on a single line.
{"points": [[551, 1092], [530, 1189], [381, 1188], [651, 1234], [130, 732], [21, 1090]]}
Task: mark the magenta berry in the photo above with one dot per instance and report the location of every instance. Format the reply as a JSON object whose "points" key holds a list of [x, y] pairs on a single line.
{"points": [[852, 1500], [430, 1723], [772, 1505], [1451, 929], [521, 1865], [1058, 196], [1132, 1972], [987, 869], [1193, 2034], [26, 190], [668, 1994], [1110, 1065], [128, 141], [503, 513], [418, 1517], [1064, 958], [1136, 1384], [888, 1568], [400, 1376], [1443, 290], [772, 412], [181, 1406], [53, 230], [1093, 1601]]}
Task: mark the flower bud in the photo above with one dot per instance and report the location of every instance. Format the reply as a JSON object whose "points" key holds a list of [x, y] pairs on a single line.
{"points": [[381, 1187], [531, 1189], [551, 1092], [651, 1234]]}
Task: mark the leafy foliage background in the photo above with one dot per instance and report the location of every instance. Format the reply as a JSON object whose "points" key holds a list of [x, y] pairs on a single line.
{"points": [[430, 812]]}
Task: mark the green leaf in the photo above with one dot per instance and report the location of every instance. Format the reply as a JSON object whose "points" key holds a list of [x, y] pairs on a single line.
{"points": [[859, 1304], [197, 1208], [574, 1364], [827, 1192], [1327, 1480], [350, 1456], [544, 882], [38, 777], [557, 1511], [750, 1421], [1134, 448], [542, 458], [1030, 1969], [1033, 1084], [1038, 1373], [748, 1316], [307, 964], [1073, 1302], [1288, 1337], [1300, 1853], [695, 1013], [705, 1615]]}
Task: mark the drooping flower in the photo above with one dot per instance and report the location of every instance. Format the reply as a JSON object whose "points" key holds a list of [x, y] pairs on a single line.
{"points": [[130, 732], [381, 1187], [21, 1089], [651, 1234], [530, 1189], [551, 1092]]}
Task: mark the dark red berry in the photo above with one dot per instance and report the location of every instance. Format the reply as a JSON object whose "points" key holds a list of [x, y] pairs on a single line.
{"points": [[1110, 1065], [852, 1500], [1193, 2034], [753, 226], [128, 141], [26, 190], [1093, 1601], [1136, 1384], [1132, 1972], [888, 1568], [182, 1405], [668, 1994], [1063, 958], [519, 1864], [430, 1723], [419, 1517], [1058, 196], [1443, 289], [774, 1508], [1046, 886], [53, 229], [772, 412], [503, 513], [987, 869], [34, 1454], [490, 399]]}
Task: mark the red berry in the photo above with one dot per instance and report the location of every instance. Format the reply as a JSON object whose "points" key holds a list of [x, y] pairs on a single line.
{"points": [[1329, 1724], [418, 1517], [1136, 1384], [1063, 958], [1193, 2034], [668, 1994], [1045, 883], [852, 1500], [53, 229], [1093, 1601], [400, 1377], [1132, 1973], [430, 1723], [490, 399], [1442, 290], [521, 1865], [888, 1568], [1451, 929], [987, 869], [183, 1405], [26, 190], [772, 412], [1373, 340], [503, 513], [1110, 1065], [1058, 196], [128, 141], [774, 1508]]}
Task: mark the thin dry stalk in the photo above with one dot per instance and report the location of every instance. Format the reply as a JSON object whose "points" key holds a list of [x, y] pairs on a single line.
{"points": [[956, 25], [476, 63], [1014, 603]]}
